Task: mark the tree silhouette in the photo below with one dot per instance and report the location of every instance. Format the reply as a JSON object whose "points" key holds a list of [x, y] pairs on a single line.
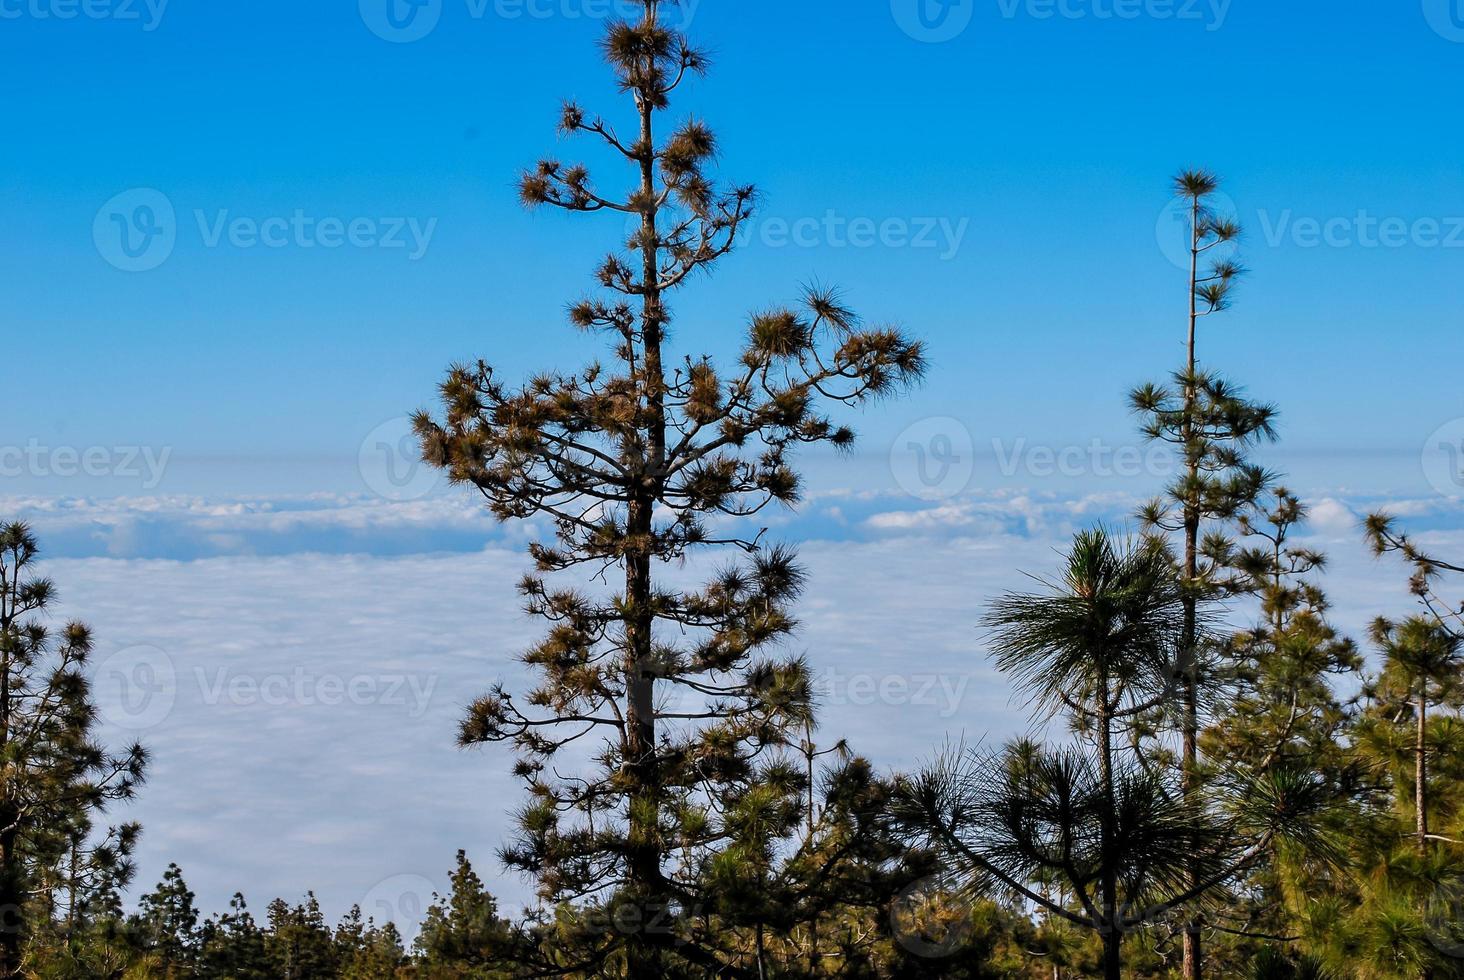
{"points": [[1119, 833], [640, 465], [1211, 425], [54, 776]]}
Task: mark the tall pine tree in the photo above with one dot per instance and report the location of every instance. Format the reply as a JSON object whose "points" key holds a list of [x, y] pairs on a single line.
{"points": [[55, 778], [1211, 425], [639, 465]]}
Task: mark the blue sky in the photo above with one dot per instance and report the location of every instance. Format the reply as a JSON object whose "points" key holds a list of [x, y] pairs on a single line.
{"points": [[210, 442], [1038, 142]]}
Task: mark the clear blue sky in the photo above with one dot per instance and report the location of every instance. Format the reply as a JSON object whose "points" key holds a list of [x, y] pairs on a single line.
{"points": [[1048, 140]]}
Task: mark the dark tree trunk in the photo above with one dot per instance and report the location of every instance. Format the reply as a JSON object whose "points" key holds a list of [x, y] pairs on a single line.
{"points": [[1112, 927], [1113, 955], [1190, 750], [12, 895], [1420, 770], [640, 718]]}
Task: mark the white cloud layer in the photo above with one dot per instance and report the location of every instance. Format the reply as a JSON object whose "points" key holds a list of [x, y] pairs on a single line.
{"points": [[299, 672]]}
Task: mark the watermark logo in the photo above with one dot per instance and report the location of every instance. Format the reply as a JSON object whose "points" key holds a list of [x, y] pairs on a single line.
{"points": [[402, 900], [1097, 459], [1443, 459], [401, 21], [929, 920], [148, 13], [1282, 228], [1362, 229], [1173, 230], [145, 464], [942, 693], [136, 688], [942, 236], [933, 21], [302, 688], [1444, 918], [1446, 17], [934, 459], [391, 465], [1212, 13], [136, 230], [405, 21]]}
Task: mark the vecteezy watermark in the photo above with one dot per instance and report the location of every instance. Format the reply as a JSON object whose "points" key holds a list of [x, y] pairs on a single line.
{"points": [[147, 13], [1443, 459], [301, 230], [135, 688], [1174, 230], [933, 21], [943, 693], [391, 465], [1097, 459], [631, 916], [833, 230], [1446, 17], [937, 21], [402, 900], [1361, 229], [934, 459], [944, 236], [401, 21], [137, 231], [303, 688], [1210, 13], [930, 920], [1444, 918], [144, 464], [405, 21]]}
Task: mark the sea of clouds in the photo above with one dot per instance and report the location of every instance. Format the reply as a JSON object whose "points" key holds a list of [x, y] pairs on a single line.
{"points": [[298, 665]]}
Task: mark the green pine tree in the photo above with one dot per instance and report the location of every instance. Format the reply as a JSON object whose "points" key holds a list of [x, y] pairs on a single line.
{"points": [[299, 944], [167, 920], [232, 946], [55, 778], [1211, 425], [691, 714], [1120, 834]]}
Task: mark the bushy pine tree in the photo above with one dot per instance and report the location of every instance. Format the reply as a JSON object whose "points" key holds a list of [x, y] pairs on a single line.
{"points": [[463, 935], [299, 944], [640, 465], [167, 920], [1429, 570], [366, 951], [55, 778], [1125, 841], [1281, 703], [1280, 707], [232, 945]]}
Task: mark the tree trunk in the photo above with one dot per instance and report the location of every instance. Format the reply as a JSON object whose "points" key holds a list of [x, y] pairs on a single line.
{"points": [[1111, 929], [1420, 769], [12, 895], [12, 888], [644, 859], [1188, 641], [1113, 955]]}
